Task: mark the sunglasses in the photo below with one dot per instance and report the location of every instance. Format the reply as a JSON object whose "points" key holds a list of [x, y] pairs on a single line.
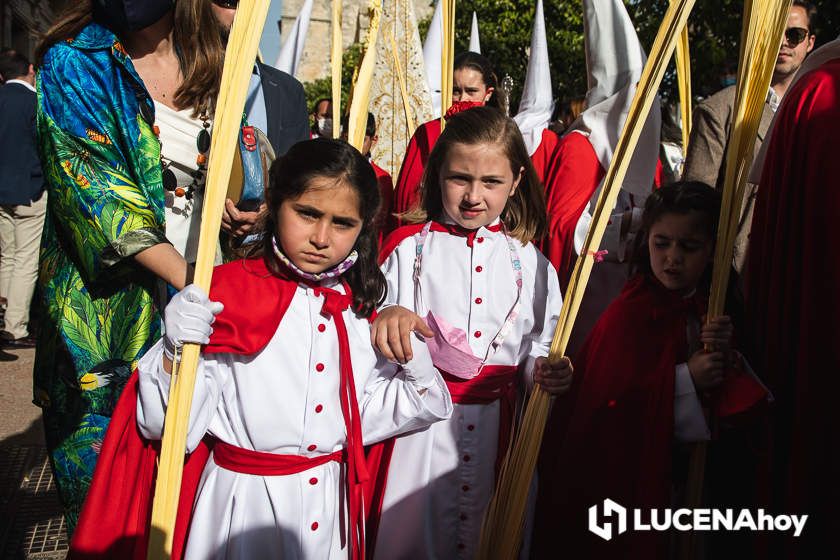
{"points": [[230, 4], [795, 35]]}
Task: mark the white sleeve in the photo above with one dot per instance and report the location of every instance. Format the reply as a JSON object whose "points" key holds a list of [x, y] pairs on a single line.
{"points": [[398, 269], [689, 420], [613, 242], [547, 303], [393, 403], [153, 388]]}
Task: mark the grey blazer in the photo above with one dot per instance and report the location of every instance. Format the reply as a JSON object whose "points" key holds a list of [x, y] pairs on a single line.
{"points": [[706, 157]]}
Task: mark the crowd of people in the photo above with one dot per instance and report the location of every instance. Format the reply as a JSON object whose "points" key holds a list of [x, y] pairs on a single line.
{"points": [[368, 345]]}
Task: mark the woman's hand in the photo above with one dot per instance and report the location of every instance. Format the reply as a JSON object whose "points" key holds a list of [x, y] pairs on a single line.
{"points": [[237, 222], [717, 334], [391, 332], [555, 379], [706, 369]]}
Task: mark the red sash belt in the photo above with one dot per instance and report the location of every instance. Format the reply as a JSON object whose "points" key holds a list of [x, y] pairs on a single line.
{"points": [[494, 383], [245, 461]]}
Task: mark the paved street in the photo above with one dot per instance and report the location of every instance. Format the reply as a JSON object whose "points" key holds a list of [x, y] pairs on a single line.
{"points": [[30, 524]]}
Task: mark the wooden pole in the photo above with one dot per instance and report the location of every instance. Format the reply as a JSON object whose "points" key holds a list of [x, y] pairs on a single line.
{"points": [[357, 119], [239, 63], [335, 66]]}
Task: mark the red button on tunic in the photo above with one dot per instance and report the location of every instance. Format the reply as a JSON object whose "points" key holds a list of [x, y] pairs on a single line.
{"points": [[478, 301], [313, 481], [322, 327], [315, 526], [479, 268], [477, 334], [480, 239], [319, 408], [319, 367], [312, 448]]}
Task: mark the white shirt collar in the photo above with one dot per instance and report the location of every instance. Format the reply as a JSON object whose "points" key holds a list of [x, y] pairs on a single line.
{"points": [[24, 83]]}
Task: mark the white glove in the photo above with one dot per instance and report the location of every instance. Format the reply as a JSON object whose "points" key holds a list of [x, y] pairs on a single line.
{"points": [[188, 318], [420, 371]]}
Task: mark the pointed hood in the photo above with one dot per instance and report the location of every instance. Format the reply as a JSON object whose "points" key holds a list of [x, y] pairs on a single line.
{"points": [[614, 63], [537, 102], [432, 52], [292, 50], [475, 43]]}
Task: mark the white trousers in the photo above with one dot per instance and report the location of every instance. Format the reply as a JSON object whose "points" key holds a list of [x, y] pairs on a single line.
{"points": [[20, 241]]}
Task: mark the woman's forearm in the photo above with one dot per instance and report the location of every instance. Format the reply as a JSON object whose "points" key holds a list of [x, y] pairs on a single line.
{"points": [[166, 263]]}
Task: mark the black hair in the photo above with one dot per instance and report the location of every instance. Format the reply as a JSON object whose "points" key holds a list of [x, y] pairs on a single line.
{"points": [[810, 11], [483, 66], [13, 64], [317, 103], [370, 126], [290, 177], [682, 197]]}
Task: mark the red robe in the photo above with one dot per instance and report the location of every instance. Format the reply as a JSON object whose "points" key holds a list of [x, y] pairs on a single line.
{"points": [[115, 519], [386, 220], [612, 436], [407, 192], [571, 177], [791, 289]]}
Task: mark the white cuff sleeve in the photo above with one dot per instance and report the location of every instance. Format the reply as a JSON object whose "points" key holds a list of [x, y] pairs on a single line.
{"points": [[689, 420]]}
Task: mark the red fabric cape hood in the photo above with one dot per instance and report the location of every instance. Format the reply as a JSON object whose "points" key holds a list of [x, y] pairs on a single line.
{"points": [[570, 178], [791, 285], [611, 437], [114, 522]]}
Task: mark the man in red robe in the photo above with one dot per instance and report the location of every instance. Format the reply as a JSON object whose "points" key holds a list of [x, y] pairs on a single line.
{"points": [[791, 285]]}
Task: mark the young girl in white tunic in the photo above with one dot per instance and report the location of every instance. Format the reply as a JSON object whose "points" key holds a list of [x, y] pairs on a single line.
{"points": [[289, 387], [487, 302]]}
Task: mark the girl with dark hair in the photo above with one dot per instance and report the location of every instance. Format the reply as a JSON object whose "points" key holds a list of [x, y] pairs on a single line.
{"points": [[489, 303], [289, 388], [474, 84], [641, 378]]}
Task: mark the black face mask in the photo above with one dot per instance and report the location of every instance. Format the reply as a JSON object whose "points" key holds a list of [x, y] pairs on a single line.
{"points": [[131, 15]]}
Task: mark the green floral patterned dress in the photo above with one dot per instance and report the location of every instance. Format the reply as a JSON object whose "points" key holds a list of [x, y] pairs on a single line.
{"points": [[101, 160]]}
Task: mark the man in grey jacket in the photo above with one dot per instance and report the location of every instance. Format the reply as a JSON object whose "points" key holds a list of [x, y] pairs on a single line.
{"points": [[706, 157]]}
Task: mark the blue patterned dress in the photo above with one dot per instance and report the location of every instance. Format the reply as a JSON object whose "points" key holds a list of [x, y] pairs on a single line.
{"points": [[101, 160]]}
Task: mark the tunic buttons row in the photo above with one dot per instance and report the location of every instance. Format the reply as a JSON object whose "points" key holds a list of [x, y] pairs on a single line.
{"points": [[479, 268], [322, 327], [315, 526], [319, 408], [477, 334], [319, 367], [313, 481], [478, 301], [312, 447]]}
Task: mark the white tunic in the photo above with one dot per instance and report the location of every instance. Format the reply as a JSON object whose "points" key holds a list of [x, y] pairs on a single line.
{"points": [[442, 477], [285, 400]]}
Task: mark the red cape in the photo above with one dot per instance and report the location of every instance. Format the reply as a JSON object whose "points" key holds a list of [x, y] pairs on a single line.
{"points": [[386, 220], [571, 177], [791, 285], [406, 194], [611, 437], [545, 153], [114, 522]]}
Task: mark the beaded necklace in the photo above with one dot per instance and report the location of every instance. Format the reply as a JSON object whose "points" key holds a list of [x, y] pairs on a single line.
{"points": [[202, 143]]}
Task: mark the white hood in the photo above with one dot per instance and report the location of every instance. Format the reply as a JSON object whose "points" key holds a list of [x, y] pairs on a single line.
{"points": [[537, 102], [614, 63], [432, 52], [475, 43], [292, 50]]}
